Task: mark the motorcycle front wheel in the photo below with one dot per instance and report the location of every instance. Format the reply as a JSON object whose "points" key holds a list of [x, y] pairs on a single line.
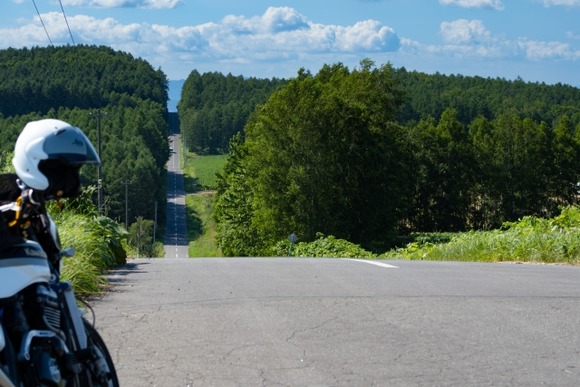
{"points": [[102, 372], [8, 362]]}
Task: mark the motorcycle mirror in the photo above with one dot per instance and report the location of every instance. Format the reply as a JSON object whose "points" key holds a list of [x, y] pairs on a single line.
{"points": [[68, 252]]}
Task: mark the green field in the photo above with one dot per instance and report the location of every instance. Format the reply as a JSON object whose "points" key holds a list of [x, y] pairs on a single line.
{"points": [[200, 171], [200, 225], [200, 177]]}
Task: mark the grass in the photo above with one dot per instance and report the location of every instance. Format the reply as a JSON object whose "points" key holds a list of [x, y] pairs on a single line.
{"points": [[531, 239], [92, 258], [201, 226], [199, 174], [200, 171]]}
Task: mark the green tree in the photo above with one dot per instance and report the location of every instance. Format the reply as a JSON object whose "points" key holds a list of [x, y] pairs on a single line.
{"points": [[131, 96], [214, 107], [141, 237], [485, 203], [323, 155], [519, 164], [565, 169], [444, 173], [236, 234]]}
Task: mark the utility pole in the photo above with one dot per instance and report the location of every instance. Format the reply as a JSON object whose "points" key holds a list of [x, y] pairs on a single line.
{"points": [[155, 223], [98, 114], [127, 182], [184, 149]]}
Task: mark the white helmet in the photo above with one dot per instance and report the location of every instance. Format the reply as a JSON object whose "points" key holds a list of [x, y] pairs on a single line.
{"points": [[48, 155]]}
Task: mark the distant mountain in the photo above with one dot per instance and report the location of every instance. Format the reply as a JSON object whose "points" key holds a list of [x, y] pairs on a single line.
{"points": [[174, 94]]}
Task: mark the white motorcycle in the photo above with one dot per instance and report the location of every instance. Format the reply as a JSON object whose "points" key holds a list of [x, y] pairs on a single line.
{"points": [[44, 338]]}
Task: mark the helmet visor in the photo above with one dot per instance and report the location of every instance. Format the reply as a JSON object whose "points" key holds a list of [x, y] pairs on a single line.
{"points": [[71, 145]]}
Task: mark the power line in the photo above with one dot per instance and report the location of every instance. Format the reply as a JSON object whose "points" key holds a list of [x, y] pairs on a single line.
{"points": [[42, 22], [66, 21]]}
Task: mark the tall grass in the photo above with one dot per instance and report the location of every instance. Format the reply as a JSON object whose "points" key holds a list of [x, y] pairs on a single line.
{"points": [[97, 248], [531, 239], [201, 226]]}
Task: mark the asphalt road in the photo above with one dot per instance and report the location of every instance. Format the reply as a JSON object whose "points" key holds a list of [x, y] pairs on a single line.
{"points": [[336, 322], [176, 244]]}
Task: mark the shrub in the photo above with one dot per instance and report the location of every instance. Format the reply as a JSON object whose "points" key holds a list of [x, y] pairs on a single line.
{"points": [[324, 247], [530, 239]]}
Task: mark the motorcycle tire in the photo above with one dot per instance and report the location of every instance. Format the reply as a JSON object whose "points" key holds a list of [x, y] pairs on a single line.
{"points": [[94, 339], [8, 360]]}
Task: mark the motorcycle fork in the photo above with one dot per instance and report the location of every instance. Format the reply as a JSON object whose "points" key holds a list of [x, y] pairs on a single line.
{"points": [[74, 319]]}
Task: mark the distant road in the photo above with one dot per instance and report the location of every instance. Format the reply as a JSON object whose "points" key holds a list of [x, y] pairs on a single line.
{"points": [[337, 322], [176, 244]]}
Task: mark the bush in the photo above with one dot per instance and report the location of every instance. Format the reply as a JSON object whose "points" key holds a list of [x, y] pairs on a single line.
{"points": [[530, 239], [324, 247], [97, 241], [96, 246]]}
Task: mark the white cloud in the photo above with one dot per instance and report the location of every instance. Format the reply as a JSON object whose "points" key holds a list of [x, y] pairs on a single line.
{"points": [[280, 34], [464, 31], [566, 3], [278, 19], [492, 4], [470, 38], [367, 35], [280, 41], [537, 50], [152, 4]]}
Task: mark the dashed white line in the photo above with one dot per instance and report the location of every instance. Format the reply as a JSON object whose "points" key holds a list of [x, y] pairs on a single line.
{"points": [[381, 264]]}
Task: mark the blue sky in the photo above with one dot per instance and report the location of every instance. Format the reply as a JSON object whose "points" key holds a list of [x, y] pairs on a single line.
{"points": [[537, 40]]}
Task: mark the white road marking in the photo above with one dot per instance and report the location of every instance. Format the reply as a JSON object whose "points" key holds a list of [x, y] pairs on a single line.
{"points": [[381, 264]]}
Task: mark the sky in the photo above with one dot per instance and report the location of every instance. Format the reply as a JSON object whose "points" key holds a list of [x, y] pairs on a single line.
{"points": [[535, 40]]}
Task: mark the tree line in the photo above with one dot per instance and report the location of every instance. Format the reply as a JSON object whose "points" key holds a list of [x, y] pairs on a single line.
{"points": [[472, 97], [86, 77], [350, 153], [214, 107], [75, 84]]}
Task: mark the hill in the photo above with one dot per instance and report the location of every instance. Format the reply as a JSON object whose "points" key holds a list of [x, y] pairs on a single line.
{"points": [[85, 85]]}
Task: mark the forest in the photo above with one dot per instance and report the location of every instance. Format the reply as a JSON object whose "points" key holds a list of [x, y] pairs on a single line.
{"points": [[367, 154], [370, 154], [214, 107], [85, 86]]}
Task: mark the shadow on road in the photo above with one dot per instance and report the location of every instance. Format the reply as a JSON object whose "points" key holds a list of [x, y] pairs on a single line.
{"points": [[118, 277], [128, 268]]}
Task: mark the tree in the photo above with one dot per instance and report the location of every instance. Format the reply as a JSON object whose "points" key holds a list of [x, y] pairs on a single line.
{"points": [[519, 165], [236, 234], [83, 79], [565, 170], [141, 237], [444, 173], [323, 155], [214, 107], [485, 203]]}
